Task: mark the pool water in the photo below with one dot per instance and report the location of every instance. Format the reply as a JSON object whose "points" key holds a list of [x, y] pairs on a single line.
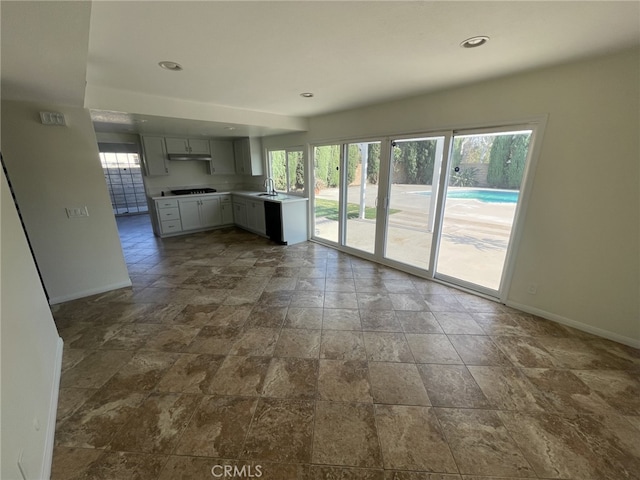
{"points": [[482, 195]]}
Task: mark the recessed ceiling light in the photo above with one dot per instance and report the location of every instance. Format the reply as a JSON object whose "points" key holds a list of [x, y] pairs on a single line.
{"points": [[474, 42], [306, 94], [229, 128], [168, 65]]}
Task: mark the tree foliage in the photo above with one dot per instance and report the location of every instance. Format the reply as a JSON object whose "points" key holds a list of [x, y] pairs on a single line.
{"points": [[413, 162], [507, 160]]}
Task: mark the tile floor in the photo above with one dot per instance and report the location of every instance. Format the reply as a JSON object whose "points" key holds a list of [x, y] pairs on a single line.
{"points": [[302, 362]]}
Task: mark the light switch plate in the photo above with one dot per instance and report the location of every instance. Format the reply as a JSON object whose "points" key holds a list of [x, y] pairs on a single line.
{"points": [[77, 212]]}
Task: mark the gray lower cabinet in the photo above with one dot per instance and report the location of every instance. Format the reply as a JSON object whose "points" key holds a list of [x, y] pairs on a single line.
{"points": [[255, 217], [226, 209], [197, 213], [168, 215]]}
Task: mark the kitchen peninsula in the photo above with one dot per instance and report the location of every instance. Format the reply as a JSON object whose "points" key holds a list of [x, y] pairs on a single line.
{"points": [[280, 217]]}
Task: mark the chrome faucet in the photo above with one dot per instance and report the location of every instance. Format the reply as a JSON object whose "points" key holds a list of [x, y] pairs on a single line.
{"points": [[268, 182]]}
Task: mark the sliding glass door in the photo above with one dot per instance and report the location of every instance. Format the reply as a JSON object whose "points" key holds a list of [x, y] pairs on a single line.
{"points": [[413, 193], [483, 190], [442, 206]]}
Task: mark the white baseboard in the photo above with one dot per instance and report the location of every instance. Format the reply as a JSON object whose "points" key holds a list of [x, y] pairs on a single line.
{"points": [[88, 293], [632, 342], [53, 409]]}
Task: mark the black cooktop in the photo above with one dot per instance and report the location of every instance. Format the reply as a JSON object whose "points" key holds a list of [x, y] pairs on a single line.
{"points": [[192, 191]]}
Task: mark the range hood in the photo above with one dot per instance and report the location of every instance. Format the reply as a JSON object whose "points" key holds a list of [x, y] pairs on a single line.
{"points": [[189, 156]]}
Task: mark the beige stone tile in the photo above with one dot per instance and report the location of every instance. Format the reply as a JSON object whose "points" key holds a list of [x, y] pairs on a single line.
{"points": [[411, 439], [69, 400], [172, 338], [132, 336], [397, 383], [93, 336], [291, 378], [71, 357], [481, 444], [282, 431], [344, 381], [191, 373], [142, 372], [218, 427], [307, 298], [299, 343], [525, 352], [341, 319], [196, 468], [339, 299], [320, 472], [255, 342], [575, 353], [195, 315], [266, 316], [387, 347], [343, 285], [508, 389], [407, 302], [432, 348], [374, 301], [458, 323], [240, 376], [95, 423], [303, 317], [566, 392], [452, 386], [380, 321], [478, 350], [72, 463], [619, 389], [345, 434], [95, 369], [498, 324], [126, 465], [554, 448], [342, 345], [214, 340], [230, 316], [158, 423], [443, 303], [419, 322]]}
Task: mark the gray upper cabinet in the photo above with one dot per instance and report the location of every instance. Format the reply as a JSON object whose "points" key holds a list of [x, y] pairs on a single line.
{"points": [[222, 160], [155, 156], [248, 156], [187, 145]]}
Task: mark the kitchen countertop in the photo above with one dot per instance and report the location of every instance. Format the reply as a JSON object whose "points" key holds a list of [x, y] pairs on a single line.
{"points": [[280, 197]]}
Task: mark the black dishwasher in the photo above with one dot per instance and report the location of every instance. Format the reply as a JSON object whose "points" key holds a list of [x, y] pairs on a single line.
{"points": [[273, 220]]}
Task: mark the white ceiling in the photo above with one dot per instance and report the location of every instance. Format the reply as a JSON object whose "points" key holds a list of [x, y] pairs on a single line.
{"points": [[245, 63]]}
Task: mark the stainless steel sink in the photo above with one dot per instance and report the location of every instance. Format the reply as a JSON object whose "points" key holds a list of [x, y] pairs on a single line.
{"points": [[267, 194]]}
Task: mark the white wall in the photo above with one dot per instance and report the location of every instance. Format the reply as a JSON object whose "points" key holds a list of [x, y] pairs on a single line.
{"points": [[52, 168], [580, 242], [30, 353]]}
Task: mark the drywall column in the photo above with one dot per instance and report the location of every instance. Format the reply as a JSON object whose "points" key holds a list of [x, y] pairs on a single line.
{"points": [[52, 169], [31, 356]]}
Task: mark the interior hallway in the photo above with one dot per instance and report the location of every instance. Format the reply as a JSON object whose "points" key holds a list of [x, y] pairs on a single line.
{"points": [[313, 364]]}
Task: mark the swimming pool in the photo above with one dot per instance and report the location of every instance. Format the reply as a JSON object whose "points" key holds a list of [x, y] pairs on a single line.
{"points": [[481, 194]]}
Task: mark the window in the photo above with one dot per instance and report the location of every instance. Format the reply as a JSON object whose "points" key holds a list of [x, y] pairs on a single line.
{"points": [[286, 167], [121, 166]]}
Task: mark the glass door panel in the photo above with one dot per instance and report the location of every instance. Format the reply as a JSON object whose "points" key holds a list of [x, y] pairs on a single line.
{"points": [[326, 198], [362, 167], [415, 170], [485, 175]]}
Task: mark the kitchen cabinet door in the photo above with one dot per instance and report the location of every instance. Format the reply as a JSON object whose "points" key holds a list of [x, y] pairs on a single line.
{"points": [[222, 160], [240, 213], [177, 145], [190, 213], [248, 156], [154, 156], [199, 145], [210, 215], [255, 217]]}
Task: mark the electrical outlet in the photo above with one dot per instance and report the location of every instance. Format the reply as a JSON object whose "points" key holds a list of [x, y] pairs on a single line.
{"points": [[533, 288]]}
